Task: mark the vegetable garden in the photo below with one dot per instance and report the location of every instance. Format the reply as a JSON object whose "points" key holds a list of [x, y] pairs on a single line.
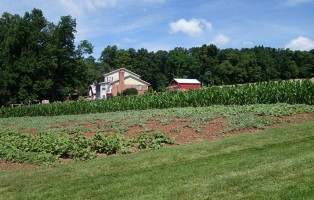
{"points": [[45, 140]]}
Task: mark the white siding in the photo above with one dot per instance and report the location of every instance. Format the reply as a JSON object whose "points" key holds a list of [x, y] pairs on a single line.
{"points": [[132, 81], [115, 76]]}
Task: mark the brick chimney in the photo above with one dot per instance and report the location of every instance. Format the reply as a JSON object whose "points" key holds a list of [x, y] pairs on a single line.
{"points": [[121, 80]]}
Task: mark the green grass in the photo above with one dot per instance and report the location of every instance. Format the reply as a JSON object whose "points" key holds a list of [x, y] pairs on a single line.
{"points": [[273, 164]]}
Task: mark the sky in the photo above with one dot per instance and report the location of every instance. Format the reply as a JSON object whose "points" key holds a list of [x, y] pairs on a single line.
{"points": [[166, 24]]}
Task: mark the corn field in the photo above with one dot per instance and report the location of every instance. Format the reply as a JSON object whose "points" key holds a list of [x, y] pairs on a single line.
{"points": [[260, 93]]}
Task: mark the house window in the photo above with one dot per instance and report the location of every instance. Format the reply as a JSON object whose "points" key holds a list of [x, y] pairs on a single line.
{"points": [[103, 88], [109, 79], [139, 87], [109, 88], [98, 91]]}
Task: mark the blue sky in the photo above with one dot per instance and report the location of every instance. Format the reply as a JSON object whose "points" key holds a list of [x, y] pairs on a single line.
{"points": [[165, 24]]}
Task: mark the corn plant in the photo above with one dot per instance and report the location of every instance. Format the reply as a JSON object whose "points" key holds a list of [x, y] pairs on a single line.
{"points": [[259, 93]]}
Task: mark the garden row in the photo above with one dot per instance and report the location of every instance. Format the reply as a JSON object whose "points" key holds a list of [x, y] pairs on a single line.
{"points": [[46, 148], [260, 93]]}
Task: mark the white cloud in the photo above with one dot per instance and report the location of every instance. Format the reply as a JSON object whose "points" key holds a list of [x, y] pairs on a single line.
{"points": [[220, 40], [296, 2], [155, 1], [247, 42], [207, 24], [300, 43], [73, 6], [193, 27], [78, 6], [128, 40], [102, 3]]}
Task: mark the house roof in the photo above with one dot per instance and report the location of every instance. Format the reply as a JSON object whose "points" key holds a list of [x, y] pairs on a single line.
{"points": [[126, 70], [186, 81], [136, 78]]}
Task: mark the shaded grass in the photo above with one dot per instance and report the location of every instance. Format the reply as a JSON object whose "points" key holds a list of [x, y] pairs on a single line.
{"points": [[272, 164]]}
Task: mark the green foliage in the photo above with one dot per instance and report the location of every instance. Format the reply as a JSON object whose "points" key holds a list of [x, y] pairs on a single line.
{"points": [[245, 121], [46, 147], [210, 65], [38, 59], [129, 91], [154, 140], [260, 93], [12, 154], [111, 143], [81, 99]]}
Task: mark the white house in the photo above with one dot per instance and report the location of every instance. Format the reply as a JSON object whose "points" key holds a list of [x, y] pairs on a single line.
{"points": [[116, 81]]}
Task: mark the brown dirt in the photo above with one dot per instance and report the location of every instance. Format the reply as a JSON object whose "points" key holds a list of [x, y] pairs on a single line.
{"points": [[177, 129], [183, 134], [210, 131], [31, 131], [294, 119], [65, 160], [4, 166]]}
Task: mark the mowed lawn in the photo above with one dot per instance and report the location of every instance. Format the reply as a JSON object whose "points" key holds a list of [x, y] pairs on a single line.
{"points": [[273, 164]]}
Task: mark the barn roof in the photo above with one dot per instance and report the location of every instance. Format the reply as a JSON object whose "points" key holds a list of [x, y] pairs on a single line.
{"points": [[186, 81]]}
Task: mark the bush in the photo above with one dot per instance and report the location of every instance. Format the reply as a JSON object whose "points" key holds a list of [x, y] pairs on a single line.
{"points": [[154, 140], [46, 147], [129, 91], [81, 98]]}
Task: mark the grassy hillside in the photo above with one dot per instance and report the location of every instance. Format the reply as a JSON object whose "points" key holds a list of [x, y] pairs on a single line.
{"points": [[273, 164]]}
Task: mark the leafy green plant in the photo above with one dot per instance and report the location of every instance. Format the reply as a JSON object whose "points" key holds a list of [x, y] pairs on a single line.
{"points": [[129, 91], [195, 126], [143, 141], [12, 154], [244, 121], [176, 130], [164, 121], [154, 140], [110, 144], [47, 147]]}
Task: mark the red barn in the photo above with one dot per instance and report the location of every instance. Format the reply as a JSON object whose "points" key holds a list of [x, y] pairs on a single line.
{"points": [[184, 84]]}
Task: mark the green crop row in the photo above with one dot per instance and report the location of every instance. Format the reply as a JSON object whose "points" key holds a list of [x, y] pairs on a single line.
{"points": [[46, 148], [260, 93]]}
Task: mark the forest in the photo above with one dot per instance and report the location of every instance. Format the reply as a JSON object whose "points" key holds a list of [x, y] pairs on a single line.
{"points": [[39, 60]]}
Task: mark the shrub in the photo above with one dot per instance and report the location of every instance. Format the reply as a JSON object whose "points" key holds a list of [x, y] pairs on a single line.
{"points": [[110, 144], [154, 140], [129, 91], [81, 98]]}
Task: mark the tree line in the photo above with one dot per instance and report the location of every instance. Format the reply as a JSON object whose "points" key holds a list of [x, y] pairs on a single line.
{"points": [[39, 60]]}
